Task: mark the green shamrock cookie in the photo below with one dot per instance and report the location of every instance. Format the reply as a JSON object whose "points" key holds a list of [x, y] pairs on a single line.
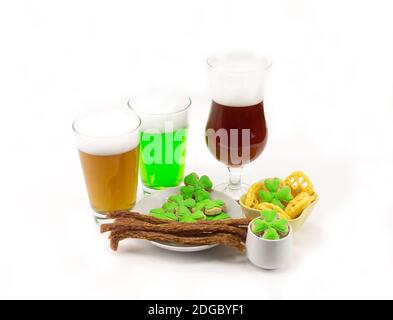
{"points": [[194, 202], [220, 216], [195, 187], [161, 213], [269, 225], [178, 199], [210, 207], [275, 195], [192, 216]]}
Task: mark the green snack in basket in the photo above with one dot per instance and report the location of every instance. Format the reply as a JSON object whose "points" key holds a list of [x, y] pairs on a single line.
{"points": [[269, 226], [275, 195]]}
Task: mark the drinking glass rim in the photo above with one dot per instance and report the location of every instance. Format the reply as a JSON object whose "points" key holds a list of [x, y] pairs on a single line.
{"points": [[188, 105], [106, 137], [211, 65]]}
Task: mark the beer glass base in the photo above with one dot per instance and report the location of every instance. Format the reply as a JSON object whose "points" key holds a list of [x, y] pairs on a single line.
{"points": [[100, 218], [234, 193]]}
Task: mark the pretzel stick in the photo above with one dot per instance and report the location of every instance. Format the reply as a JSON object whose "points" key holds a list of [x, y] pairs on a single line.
{"points": [[226, 239]]}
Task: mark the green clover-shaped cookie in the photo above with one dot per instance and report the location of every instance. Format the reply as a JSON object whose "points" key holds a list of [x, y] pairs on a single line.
{"points": [[178, 199], [187, 192], [203, 182], [195, 187], [161, 213], [220, 216], [201, 194], [192, 216], [178, 205], [270, 225], [275, 195], [210, 207], [191, 180]]}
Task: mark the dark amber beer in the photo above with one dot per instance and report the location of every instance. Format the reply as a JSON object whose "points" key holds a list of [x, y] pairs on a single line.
{"points": [[238, 150], [236, 131]]}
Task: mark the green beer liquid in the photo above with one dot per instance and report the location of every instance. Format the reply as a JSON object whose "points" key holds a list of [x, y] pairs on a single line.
{"points": [[162, 158]]}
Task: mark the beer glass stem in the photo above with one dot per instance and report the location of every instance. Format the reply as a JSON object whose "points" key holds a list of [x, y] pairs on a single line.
{"points": [[235, 178]]}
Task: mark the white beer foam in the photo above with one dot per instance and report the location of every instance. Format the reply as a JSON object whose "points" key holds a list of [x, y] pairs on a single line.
{"points": [[107, 132], [161, 112], [237, 79]]}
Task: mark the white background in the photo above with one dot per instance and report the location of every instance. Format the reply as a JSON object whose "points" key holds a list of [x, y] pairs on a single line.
{"points": [[329, 112]]}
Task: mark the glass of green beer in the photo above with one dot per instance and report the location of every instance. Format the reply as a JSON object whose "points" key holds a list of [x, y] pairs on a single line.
{"points": [[163, 138]]}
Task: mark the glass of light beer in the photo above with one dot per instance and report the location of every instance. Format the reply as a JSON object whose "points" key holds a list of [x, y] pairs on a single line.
{"points": [[163, 138], [236, 131], [108, 144]]}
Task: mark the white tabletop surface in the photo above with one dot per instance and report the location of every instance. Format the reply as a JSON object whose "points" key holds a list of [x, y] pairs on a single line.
{"points": [[329, 113]]}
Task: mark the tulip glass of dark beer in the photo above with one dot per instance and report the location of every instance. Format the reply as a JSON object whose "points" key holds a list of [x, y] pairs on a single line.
{"points": [[236, 131], [108, 144]]}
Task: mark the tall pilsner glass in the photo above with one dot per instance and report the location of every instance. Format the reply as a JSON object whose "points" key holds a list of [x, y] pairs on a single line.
{"points": [[236, 131], [163, 138], [108, 144]]}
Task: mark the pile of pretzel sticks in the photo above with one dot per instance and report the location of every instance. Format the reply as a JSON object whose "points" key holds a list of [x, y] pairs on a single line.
{"points": [[229, 232]]}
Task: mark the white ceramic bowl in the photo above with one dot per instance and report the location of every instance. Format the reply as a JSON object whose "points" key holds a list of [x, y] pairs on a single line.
{"points": [[156, 200], [268, 254]]}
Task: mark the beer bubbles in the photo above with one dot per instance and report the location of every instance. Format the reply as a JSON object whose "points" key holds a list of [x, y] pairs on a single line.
{"points": [[107, 132]]}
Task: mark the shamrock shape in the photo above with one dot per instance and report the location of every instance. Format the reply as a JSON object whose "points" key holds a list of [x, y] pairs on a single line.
{"points": [[170, 206], [203, 182], [270, 225], [178, 199], [179, 205], [221, 216], [275, 195], [191, 192], [161, 213], [196, 187], [187, 191], [192, 217], [210, 207], [191, 180], [214, 203], [201, 194]]}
